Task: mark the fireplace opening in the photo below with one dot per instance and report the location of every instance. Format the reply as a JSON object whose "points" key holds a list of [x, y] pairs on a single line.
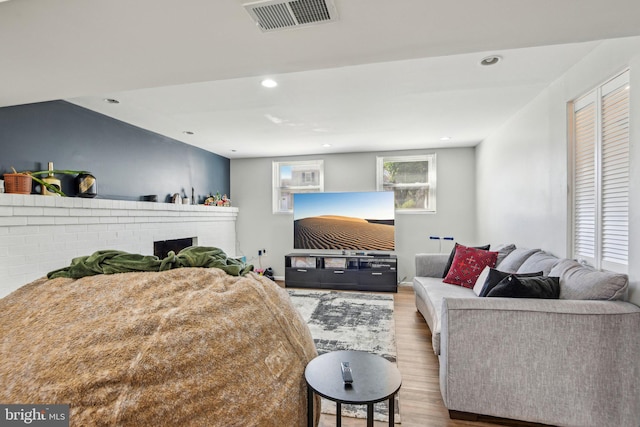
{"points": [[161, 248]]}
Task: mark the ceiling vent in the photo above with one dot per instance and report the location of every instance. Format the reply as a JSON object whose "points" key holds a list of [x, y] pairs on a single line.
{"points": [[273, 15]]}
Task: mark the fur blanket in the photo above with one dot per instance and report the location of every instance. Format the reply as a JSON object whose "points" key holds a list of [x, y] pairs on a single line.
{"points": [[185, 347]]}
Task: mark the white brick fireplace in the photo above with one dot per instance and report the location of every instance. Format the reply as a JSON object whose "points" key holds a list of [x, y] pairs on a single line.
{"points": [[39, 234]]}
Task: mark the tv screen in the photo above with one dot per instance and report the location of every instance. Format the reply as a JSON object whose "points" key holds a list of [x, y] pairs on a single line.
{"points": [[361, 221]]}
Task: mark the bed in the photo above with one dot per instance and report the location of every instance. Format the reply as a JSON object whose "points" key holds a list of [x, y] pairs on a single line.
{"points": [[187, 346]]}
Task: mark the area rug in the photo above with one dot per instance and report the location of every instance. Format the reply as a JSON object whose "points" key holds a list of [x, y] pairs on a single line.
{"points": [[350, 321]]}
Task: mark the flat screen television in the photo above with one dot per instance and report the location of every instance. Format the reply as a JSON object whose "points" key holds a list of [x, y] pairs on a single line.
{"points": [[354, 221]]}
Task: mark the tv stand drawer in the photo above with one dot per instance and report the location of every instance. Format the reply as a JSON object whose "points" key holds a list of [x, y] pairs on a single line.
{"points": [[338, 276], [294, 276]]}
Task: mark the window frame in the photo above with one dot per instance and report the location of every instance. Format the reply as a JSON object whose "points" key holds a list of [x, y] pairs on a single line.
{"points": [[277, 187], [596, 224], [430, 184]]}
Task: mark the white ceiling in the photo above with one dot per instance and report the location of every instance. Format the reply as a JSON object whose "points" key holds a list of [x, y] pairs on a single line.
{"points": [[394, 74]]}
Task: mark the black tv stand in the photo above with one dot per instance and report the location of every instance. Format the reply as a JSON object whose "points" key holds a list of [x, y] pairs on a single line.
{"points": [[374, 272]]}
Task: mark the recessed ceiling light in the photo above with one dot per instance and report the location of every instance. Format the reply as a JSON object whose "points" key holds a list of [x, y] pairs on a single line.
{"points": [[110, 100], [269, 83], [445, 138], [490, 60], [326, 145], [187, 132]]}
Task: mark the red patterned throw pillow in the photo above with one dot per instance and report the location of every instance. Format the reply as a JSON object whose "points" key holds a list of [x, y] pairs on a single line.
{"points": [[467, 265]]}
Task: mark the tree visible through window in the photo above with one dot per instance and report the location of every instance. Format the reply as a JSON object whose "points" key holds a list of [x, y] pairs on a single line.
{"points": [[411, 178]]}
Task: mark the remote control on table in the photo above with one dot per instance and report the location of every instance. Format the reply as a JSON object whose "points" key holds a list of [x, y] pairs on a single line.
{"points": [[347, 378]]}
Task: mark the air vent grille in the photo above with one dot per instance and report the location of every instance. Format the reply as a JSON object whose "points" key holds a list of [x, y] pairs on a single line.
{"points": [[271, 15], [309, 11], [274, 16]]}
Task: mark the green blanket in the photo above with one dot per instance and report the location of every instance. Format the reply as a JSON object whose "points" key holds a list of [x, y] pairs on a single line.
{"points": [[112, 261]]}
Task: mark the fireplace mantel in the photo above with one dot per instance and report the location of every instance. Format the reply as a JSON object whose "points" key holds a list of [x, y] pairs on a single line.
{"points": [[39, 234]]}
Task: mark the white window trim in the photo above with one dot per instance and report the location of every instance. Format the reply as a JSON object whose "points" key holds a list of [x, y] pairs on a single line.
{"points": [[431, 158], [275, 182]]}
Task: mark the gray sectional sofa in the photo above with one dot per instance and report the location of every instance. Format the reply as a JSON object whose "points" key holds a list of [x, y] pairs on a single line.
{"points": [[573, 361]]}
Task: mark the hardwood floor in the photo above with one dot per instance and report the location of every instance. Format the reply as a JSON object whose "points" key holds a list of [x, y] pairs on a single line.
{"points": [[420, 399]]}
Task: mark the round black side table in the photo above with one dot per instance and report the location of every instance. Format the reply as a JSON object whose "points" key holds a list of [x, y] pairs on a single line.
{"points": [[374, 379]]}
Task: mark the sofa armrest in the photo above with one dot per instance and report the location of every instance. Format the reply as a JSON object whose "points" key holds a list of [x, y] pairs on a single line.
{"points": [[560, 362], [431, 265]]}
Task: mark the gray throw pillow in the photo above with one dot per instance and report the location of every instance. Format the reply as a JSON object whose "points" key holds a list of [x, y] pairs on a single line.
{"points": [[515, 259], [504, 250], [539, 261], [581, 282]]}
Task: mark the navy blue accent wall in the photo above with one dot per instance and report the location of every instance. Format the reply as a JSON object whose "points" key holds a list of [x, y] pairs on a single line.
{"points": [[128, 162]]}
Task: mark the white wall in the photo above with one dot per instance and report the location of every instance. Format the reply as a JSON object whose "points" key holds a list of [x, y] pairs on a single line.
{"points": [[259, 228], [522, 169]]}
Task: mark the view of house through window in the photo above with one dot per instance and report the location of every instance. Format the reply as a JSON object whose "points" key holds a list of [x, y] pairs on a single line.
{"points": [[600, 182], [305, 176], [412, 178]]}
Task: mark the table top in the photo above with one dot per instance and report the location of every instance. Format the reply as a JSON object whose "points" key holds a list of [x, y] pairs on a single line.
{"points": [[374, 378]]}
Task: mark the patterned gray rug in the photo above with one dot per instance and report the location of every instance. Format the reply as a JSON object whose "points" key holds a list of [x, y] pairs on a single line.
{"points": [[350, 321]]}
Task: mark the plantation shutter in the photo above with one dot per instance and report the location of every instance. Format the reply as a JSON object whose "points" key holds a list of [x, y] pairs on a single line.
{"points": [[601, 175], [584, 180], [615, 173]]}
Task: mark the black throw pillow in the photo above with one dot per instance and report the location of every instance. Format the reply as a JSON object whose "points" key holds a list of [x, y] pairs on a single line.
{"points": [[453, 254], [527, 287], [496, 276]]}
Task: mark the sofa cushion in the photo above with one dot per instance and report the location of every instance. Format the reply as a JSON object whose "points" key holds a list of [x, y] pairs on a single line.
{"points": [[527, 287], [430, 291], [581, 282], [539, 261], [503, 250], [467, 265], [430, 265], [496, 276], [515, 259], [453, 254]]}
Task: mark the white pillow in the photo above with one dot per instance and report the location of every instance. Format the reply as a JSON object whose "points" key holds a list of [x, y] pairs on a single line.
{"points": [[477, 288]]}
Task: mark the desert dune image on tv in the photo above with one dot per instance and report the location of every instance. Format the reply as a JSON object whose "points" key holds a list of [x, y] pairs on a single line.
{"points": [[344, 221]]}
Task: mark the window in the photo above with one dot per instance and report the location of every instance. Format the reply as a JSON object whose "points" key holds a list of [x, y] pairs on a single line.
{"points": [[412, 178], [309, 178], [295, 177], [600, 157]]}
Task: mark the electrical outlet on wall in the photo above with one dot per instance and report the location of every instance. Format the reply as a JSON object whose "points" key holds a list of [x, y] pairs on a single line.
{"points": [[262, 252]]}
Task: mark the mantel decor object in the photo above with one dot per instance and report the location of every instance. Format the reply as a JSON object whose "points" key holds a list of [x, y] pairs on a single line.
{"points": [[52, 181], [86, 185], [17, 183]]}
